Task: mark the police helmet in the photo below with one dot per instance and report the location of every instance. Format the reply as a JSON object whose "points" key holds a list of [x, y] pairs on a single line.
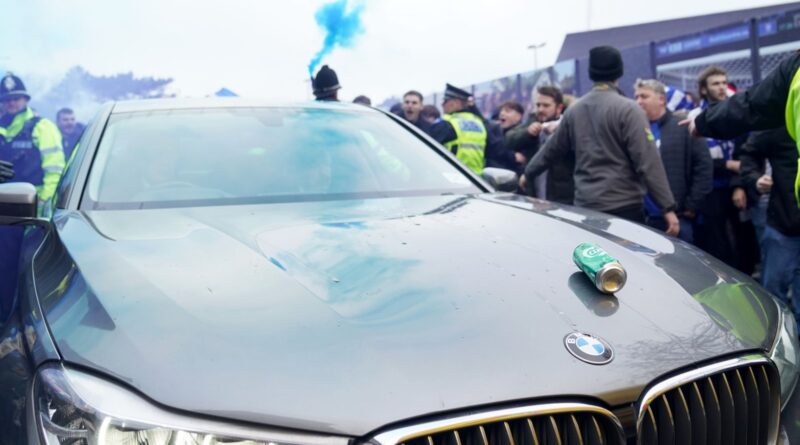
{"points": [[326, 82], [12, 87]]}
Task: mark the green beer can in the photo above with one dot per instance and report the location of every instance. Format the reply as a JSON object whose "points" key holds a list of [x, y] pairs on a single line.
{"points": [[605, 271]]}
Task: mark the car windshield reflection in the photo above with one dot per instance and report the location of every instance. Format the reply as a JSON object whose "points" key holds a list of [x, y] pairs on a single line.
{"points": [[175, 158]]}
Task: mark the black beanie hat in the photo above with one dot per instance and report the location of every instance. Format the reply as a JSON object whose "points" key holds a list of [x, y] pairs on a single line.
{"points": [[325, 83], [605, 64]]}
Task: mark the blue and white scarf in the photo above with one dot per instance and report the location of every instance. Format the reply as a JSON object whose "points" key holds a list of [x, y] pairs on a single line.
{"points": [[719, 149], [678, 100]]}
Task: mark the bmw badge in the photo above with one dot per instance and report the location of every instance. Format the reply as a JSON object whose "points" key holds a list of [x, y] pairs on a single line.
{"points": [[588, 348]]}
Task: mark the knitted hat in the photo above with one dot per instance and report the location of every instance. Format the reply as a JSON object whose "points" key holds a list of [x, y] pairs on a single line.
{"points": [[605, 64]]}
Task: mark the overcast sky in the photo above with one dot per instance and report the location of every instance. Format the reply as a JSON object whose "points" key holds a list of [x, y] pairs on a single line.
{"points": [[261, 48]]}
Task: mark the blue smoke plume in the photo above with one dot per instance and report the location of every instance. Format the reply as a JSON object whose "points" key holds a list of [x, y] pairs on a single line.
{"points": [[341, 28]]}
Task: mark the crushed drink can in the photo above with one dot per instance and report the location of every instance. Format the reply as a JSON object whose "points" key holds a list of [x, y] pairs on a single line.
{"points": [[605, 271]]}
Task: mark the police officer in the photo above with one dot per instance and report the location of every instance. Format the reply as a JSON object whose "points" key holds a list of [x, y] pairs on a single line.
{"points": [[461, 130], [30, 151], [30, 143], [326, 85]]}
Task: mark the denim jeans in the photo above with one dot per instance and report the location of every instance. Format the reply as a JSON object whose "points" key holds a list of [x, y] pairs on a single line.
{"points": [[781, 260], [758, 214]]}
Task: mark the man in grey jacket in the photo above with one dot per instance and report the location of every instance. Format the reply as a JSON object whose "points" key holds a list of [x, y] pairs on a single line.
{"points": [[686, 159], [616, 160]]}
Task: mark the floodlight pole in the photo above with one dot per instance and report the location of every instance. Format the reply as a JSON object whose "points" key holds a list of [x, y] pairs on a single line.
{"points": [[535, 47], [588, 15]]}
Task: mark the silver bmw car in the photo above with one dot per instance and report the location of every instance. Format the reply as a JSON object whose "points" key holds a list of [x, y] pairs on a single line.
{"points": [[225, 271]]}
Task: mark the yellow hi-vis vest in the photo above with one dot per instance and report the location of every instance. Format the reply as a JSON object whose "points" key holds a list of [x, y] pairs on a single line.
{"points": [[793, 124], [470, 141]]}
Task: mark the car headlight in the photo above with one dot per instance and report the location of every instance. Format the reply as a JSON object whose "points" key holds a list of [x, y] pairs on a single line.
{"points": [[785, 353], [76, 408]]}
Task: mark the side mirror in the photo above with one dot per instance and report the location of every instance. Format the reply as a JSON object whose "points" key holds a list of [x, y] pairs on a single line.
{"points": [[501, 179], [17, 202]]}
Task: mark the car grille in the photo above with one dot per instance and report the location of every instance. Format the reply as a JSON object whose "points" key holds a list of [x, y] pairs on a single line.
{"points": [[548, 424], [734, 402]]}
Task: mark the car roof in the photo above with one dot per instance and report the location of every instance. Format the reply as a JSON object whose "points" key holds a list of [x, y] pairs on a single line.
{"points": [[129, 106]]}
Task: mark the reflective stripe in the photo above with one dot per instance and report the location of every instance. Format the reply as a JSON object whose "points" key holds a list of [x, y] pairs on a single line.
{"points": [[49, 150], [53, 168]]}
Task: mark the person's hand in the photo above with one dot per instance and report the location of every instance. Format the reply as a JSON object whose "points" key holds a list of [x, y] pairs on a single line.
{"points": [[734, 166], [6, 171], [739, 198], [689, 123], [764, 184], [535, 128], [550, 127], [673, 225], [519, 158], [522, 182], [689, 214]]}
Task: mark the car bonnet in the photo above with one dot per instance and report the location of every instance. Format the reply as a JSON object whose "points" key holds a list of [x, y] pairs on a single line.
{"points": [[345, 316]]}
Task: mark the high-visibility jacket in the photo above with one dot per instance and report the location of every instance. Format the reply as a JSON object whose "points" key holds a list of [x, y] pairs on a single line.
{"points": [[33, 145], [470, 142], [792, 116]]}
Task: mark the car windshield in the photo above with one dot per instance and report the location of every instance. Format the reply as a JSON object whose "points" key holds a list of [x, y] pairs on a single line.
{"points": [[173, 158]]}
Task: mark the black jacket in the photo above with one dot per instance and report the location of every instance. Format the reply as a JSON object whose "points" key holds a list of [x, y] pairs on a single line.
{"points": [[561, 180], [560, 183], [687, 163], [761, 107], [501, 154], [518, 139], [497, 154], [420, 123], [779, 149]]}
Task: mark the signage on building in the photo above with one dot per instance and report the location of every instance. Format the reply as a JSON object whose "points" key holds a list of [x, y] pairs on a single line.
{"points": [[697, 42], [788, 21]]}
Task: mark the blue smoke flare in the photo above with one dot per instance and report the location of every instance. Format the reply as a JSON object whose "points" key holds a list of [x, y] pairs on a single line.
{"points": [[341, 28]]}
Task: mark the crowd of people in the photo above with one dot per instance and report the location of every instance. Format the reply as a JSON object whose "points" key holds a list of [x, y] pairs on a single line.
{"points": [[729, 193]]}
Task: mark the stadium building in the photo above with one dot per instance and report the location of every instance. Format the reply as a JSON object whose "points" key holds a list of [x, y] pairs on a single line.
{"points": [[748, 43]]}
